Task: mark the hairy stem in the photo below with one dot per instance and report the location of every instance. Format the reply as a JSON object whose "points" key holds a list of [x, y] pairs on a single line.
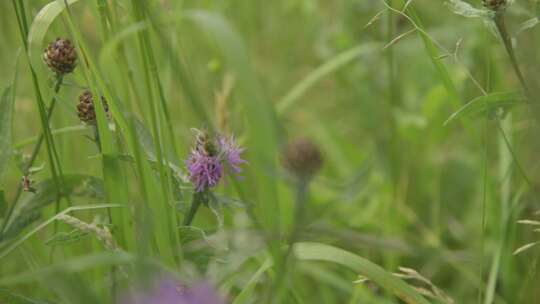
{"points": [[198, 199]]}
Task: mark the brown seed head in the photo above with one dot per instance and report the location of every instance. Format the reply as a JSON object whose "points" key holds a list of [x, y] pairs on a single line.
{"points": [[60, 56], [302, 158], [86, 110]]}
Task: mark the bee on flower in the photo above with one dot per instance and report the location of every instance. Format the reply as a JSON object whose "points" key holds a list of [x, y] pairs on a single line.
{"points": [[211, 158]]}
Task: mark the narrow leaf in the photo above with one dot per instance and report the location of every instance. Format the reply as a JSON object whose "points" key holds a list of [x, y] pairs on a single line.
{"points": [[485, 103]]}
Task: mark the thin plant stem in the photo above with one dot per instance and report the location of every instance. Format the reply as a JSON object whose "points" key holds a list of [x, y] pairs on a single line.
{"points": [[199, 198], [512, 153], [483, 222], [302, 195], [507, 42]]}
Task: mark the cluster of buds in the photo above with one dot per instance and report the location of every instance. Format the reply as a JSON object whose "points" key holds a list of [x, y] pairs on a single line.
{"points": [[60, 56], [495, 5], [302, 158], [86, 109], [211, 158]]}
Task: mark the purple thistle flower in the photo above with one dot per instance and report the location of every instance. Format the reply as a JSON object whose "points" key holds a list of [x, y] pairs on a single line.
{"points": [[205, 171], [207, 162], [169, 291], [231, 153]]}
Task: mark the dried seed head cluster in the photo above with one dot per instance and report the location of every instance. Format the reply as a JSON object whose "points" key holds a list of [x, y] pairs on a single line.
{"points": [[302, 158], [60, 56], [86, 109], [211, 158], [495, 5]]}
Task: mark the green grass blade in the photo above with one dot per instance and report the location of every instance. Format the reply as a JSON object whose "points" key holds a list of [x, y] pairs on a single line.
{"points": [[322, 252], [246, 294], [435, 58], [6, 119]]}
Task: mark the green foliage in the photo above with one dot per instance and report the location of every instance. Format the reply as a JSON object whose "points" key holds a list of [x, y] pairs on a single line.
{"points": [[419, 197]]}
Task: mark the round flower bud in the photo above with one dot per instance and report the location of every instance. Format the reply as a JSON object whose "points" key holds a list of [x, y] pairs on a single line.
{"points": [[86, 110], [60, 56], [495, 5], [302, 158]]}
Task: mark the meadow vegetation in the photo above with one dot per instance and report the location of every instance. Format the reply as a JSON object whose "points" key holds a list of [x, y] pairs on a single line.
{"points": [[283, 151]]}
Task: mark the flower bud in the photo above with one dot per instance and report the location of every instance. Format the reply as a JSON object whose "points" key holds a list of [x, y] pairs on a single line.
{"points": [[302, 158], [86, 109], [60, 56]]}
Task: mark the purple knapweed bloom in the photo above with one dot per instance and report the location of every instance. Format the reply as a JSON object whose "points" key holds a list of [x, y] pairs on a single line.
{"points": [[210, 159], [231, 152], [169, 291]]}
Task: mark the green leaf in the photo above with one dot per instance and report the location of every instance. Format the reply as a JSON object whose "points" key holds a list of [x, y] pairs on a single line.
{"points": [[485, 103], [318, 74], [322, 252], [196, 247]]}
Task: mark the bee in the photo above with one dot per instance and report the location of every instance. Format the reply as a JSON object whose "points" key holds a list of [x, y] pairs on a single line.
{"points": [[203, 143]]}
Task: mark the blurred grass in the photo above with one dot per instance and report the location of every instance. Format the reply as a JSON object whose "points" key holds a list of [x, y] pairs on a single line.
{"points": [[400, 187]]}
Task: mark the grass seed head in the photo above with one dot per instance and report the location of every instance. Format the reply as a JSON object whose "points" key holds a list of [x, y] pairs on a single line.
{"points": [[60, 56]]}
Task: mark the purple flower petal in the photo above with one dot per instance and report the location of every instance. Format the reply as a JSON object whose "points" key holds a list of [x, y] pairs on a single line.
{"points": [[169, 291], [231, 152], [204, 171], [206, 166]]}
